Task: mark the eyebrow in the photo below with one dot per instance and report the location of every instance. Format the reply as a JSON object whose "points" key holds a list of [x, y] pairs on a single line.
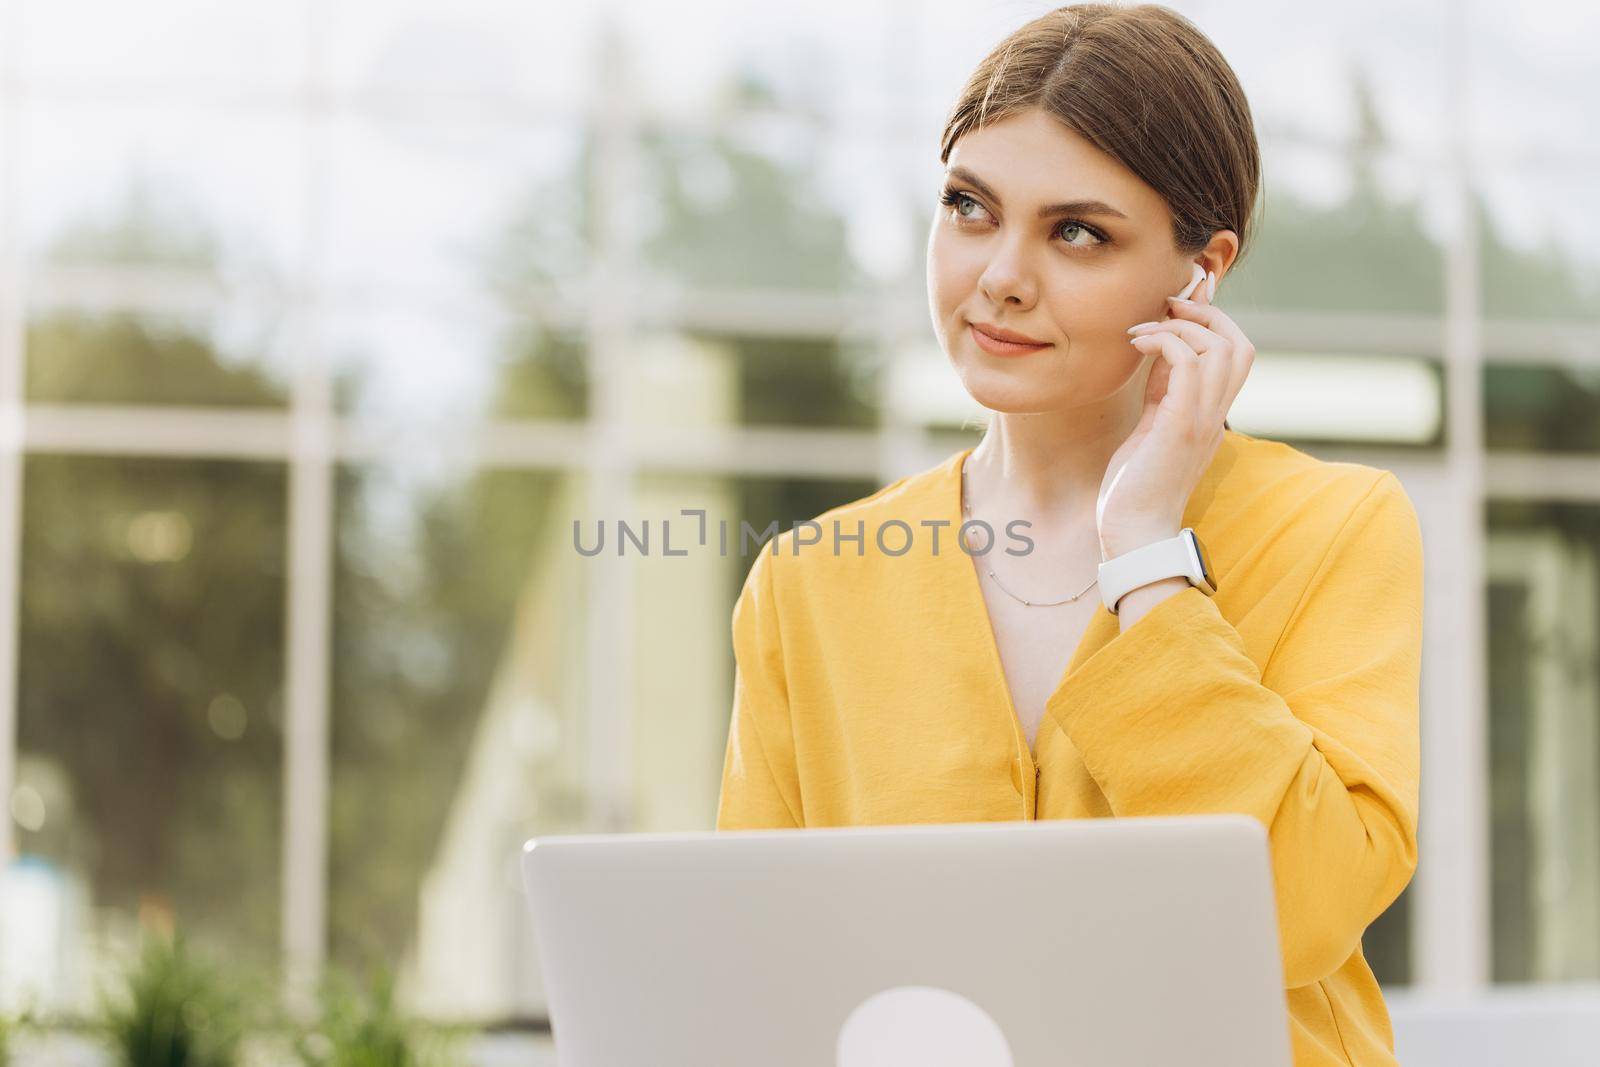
{"points": [[1070, 207]]}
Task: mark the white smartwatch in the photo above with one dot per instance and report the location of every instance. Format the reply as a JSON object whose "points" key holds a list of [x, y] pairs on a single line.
{"points": [[1182, 556]]}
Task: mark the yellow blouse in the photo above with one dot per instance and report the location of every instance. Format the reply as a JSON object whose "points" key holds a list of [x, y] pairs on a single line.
{"points": [[869, 690]]}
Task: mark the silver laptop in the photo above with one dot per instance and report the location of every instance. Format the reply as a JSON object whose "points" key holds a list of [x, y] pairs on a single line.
{"points": [[1134, 942]]}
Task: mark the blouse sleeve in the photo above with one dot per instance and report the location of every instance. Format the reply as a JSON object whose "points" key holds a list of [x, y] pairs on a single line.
{"points": [[760, 785], [1322, 744]]}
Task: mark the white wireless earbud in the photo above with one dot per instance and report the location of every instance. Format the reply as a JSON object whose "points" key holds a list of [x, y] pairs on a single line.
{"points": [[1194, 282]]}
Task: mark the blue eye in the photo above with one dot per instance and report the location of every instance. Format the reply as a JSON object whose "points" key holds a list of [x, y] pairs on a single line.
{"points": [[954, 198], [1074, 224], [951, 198]]}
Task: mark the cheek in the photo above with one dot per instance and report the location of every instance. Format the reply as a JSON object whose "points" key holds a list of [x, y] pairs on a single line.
{"points": [[1098, 304], [1093, 295], [953, 270]]}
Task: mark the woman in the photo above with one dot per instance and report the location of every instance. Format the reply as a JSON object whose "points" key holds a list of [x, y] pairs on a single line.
{"points": [[886, 679]]}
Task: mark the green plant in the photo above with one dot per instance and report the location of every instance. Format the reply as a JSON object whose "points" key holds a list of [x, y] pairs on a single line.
{"points": [[175, 1010], [363, 1025], [15, 1023]]}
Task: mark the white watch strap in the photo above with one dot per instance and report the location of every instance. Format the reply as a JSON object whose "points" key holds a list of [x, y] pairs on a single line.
{"points": [[1172, 557]]}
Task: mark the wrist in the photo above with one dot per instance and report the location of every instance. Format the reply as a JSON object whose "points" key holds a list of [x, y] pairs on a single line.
{"points": [[1137, 602], [1114, 545]]}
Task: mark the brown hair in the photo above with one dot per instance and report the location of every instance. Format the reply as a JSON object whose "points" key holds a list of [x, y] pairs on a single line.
{"points": [[1146, 87]]}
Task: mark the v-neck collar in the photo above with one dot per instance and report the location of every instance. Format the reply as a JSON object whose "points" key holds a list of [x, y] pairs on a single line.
{"points": [[1103, 625]]}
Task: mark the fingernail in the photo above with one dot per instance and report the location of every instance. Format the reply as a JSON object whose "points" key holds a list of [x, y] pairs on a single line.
{"points": [[1143, 327], [1181, 300]]}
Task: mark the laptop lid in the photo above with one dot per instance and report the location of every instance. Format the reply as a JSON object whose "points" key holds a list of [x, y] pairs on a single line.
{"points": [[1129, 941]]}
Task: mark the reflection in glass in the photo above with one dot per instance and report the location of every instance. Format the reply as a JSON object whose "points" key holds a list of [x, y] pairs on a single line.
{"points": [[1306, 397], [458, 728], [447, 208], [804, 382], [1539, 234], [165, 42], [1532, 76], [699, 379], [1346, 233], [205, 196], [925, 391], [1544, 742], [826, 57], [393, 360], [1531, 408], [740, 208], [232, 356], [150, 737], [476, 50]]}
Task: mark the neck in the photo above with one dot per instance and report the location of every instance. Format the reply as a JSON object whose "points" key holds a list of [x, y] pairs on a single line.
{"points": [[1047, 467]]}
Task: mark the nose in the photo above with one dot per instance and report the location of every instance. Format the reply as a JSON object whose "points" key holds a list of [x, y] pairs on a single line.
{"points": [[1009, 277]]}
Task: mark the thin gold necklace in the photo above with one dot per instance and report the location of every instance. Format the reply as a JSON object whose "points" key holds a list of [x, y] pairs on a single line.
{"points": [[966, 509]]}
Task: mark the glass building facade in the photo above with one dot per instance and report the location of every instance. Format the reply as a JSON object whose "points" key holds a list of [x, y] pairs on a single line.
{"points": [[318, 323]]}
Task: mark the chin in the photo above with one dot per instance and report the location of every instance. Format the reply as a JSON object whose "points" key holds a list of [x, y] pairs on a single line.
{"points": [[1011, 392]]}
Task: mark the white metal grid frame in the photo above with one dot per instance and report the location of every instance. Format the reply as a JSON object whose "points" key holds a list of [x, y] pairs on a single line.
{"points": [[1451, 936]]}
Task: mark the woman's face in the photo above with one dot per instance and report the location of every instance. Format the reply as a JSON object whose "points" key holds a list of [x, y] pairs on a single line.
{"points": [[1075, 279]]}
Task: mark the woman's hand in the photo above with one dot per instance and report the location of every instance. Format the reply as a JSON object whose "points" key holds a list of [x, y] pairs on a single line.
{"points": [[1202, 358]]}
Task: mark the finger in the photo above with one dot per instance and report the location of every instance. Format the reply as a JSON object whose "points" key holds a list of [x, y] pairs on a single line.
{"points": [[1217, 364], [1182, 398], [1200, 338], [1155, 388], [1242, 361], [1223, 371], [1220, 322], [1209, 316]]}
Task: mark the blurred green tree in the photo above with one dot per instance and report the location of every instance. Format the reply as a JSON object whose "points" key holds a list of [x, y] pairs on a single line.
{"points": [[151, 655]]}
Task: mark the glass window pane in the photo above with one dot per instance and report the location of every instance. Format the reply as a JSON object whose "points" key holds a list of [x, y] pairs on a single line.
{"points": [[150, 739], [243, 46], [745, 207], [1533, 80], [207, 196], [414, 362], [458, 722], [1310, 397], [1343, 233], [448, 209], [775, 381], [699, 379], [828, 57], [1544, 741], [924, 391], [1537, 408], [232, 355], [1538, 234], [517, 51], [1344, 72]]}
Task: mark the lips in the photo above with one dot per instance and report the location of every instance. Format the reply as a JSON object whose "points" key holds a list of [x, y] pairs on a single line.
{"points": [[1001, 342]]}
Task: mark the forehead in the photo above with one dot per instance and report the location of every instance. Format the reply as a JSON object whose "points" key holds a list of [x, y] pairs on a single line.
{"points": [[1032, 158]]}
